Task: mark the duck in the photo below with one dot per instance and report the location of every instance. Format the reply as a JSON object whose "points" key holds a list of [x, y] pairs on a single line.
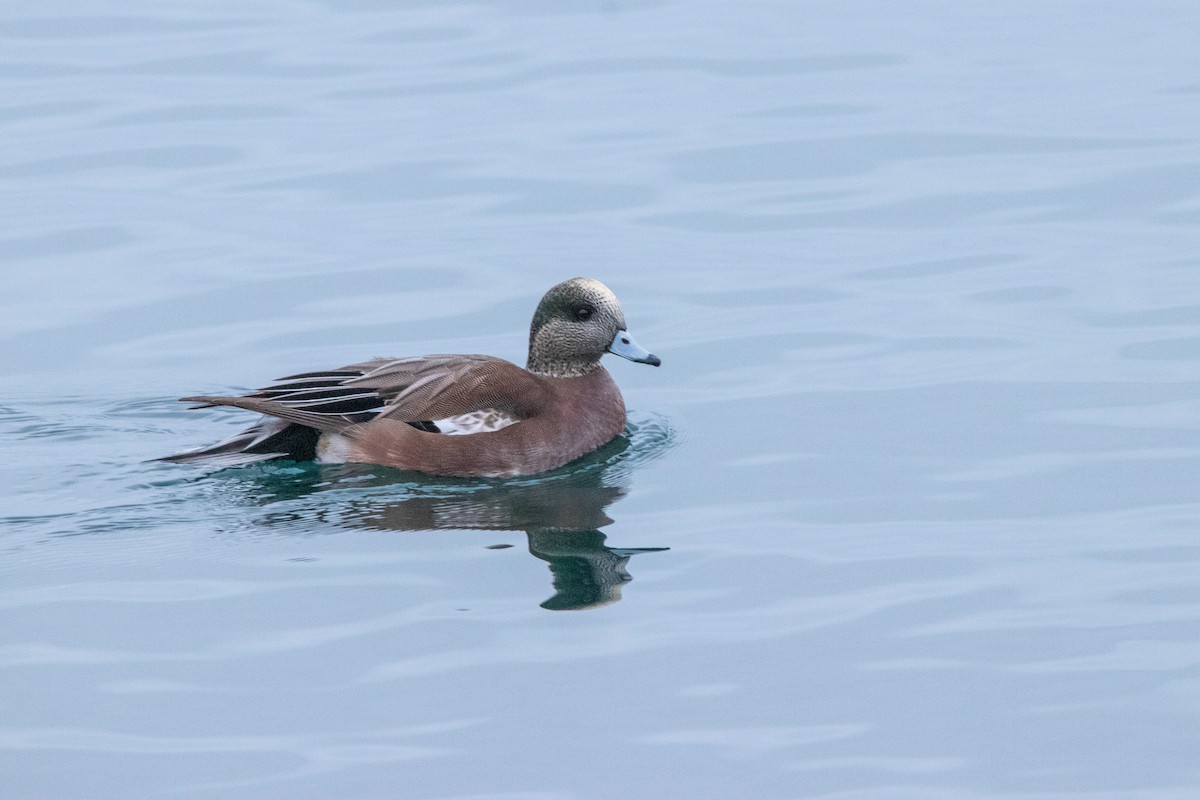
{"points": [[453, 415]]}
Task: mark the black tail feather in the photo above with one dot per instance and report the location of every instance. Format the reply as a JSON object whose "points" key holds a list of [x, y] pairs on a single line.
{"points": [[269, 439]]}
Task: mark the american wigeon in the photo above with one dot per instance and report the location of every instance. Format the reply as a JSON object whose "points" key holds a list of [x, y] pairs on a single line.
{"points": [[463, 415]]}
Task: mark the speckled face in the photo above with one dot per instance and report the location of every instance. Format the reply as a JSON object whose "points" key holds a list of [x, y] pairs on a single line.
{"points": [[573, 326]]}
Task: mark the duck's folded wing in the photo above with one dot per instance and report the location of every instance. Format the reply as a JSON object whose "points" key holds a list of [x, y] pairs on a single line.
{"points": [[413, 390], [437, 387]]}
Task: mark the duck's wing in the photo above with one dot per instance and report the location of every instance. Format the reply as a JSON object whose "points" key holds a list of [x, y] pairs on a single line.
{"points": [[448, 386], [419, 391]]}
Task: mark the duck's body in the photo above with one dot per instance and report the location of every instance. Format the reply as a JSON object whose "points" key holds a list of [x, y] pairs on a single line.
{"points": [[563, 419], [463, 415]]}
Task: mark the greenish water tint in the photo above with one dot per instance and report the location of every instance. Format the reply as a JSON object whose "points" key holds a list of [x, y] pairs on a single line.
{"points": [[560, 512], [909, 510]]}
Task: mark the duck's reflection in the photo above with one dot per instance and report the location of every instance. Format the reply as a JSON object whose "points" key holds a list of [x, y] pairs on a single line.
{"points": [[586, 573], [561, 513], [561, 518]]}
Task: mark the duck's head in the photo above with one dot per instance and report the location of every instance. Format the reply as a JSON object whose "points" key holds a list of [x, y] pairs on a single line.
{"points": [[577, 322]]}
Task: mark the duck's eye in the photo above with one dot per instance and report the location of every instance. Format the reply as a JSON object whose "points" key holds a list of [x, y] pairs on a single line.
{"points": [[582, 313]]}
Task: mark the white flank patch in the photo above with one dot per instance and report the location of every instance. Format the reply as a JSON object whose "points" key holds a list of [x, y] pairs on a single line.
{"points": [[333, 448], [482, 421]]}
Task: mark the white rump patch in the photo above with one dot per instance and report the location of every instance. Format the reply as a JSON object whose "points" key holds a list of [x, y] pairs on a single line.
{"points": [[332, 448], [482, 421]]}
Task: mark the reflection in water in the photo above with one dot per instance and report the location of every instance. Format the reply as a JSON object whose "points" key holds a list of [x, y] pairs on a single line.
{"points": [[561, 518], [560, 512], [586, 573]]}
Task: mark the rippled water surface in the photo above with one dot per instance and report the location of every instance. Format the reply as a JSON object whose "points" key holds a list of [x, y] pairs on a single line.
{"points": [[908, 512]]}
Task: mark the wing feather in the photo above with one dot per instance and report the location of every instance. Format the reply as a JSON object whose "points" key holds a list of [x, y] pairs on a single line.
{"points": [[414, 390], [441, 386]]}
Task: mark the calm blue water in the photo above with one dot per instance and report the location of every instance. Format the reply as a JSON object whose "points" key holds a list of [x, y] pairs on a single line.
{"points": [[923, 452]]}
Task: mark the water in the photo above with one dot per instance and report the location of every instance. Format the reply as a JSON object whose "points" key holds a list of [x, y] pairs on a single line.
{"points": [[909, 510]]}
